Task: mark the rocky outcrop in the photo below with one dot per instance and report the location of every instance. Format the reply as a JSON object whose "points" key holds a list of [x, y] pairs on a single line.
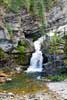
{"points": [[13, 25], [23, 57], [22, 25], [18, 26], [54, 68], [16, 56], [57, 15], [25, 25], [28, 44], [30, 26], [3, 32]]}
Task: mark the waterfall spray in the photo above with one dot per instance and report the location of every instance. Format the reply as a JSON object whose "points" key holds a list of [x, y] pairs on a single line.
{"points": [[36, 59]]}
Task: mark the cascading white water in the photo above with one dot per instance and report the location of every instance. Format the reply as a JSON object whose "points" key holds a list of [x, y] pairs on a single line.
{"points": [[36, 59]]}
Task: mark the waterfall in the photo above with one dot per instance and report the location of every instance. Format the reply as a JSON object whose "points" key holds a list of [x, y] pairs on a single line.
{"points": [[37, 58]]}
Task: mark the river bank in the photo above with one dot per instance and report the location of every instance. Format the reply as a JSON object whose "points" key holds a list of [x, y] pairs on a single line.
{"points": [[56, 91], [59, 87], [41, 95], [25, 87], [28, 87]]}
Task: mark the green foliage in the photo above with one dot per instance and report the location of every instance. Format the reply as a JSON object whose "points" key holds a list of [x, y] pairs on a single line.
{"points": [[50, 3], [1, 1], [16, 5], [56, 40], [9, 28], [13, 5], [58, 77], [55, 43], [2, 55], [41, 11], [35, 7], [7, 2], [62, 75], [21, 46], [65, 62], [21, 49], [22, 43], [29, 4]]}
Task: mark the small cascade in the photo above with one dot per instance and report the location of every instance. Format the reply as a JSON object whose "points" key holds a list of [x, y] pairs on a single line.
{"points": [[37, 58]]}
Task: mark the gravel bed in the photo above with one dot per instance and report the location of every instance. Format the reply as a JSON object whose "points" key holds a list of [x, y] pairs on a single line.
{"points": [[59, 87], [41, 95]]}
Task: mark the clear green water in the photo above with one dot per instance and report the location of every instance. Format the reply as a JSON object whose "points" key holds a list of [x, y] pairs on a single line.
{"points": [[23, 83]]}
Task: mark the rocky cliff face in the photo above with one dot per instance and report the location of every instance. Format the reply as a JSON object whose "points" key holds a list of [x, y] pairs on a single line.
{"points": [[58, 14], [24, 25]]}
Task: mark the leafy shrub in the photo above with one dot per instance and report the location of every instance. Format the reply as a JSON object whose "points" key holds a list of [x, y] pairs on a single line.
{"points": [[21, 49], [58, 77], [21, 46]]}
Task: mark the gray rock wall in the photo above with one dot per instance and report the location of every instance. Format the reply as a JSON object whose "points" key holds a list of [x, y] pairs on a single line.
{"points": [[58, 14]]}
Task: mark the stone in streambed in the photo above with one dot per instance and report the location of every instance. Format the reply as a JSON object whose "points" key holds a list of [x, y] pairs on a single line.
{"points": [[4, 78]]}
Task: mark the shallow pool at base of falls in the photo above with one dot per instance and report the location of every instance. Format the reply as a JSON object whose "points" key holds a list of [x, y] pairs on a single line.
{"points": [[23, 83]]}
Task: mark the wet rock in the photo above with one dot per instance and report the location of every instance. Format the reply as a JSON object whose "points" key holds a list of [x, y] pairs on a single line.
{"points": [[3, 78], [18, 69], [6, 45], [9, 79]]}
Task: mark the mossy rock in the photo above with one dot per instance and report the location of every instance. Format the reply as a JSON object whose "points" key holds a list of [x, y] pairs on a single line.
{"points": [[23, 59], [25, 48], [25, 45], [3, 55]]}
